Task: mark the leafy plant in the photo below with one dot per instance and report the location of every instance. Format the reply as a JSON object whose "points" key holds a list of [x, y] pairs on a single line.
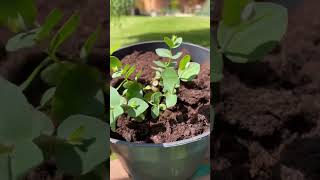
{"points": [[136, 99], [247, 32], [70, 124]]}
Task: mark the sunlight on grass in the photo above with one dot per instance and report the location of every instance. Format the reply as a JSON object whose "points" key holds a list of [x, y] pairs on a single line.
{"points": [[133, 29]]}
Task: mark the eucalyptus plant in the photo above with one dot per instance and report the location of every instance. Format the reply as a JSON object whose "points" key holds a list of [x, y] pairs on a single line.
{"points": [[69, 125], [247, 31], [136, 99]]}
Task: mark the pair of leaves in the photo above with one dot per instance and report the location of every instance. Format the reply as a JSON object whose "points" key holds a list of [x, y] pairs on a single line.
{"points": [[166, 53], [253, 38], [117, 69], [30, 38], [170, 80], [137, 107], [86, 146], [19, 125], [116, 110], [188, 70], [174, 42], [155, 99]]}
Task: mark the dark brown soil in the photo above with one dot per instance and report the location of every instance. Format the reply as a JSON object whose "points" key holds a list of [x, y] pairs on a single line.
{"points": [[189, 118], [267, 123]]}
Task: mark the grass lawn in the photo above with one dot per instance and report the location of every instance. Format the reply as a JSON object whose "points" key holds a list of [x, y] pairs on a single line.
{"points": [[134, 29]]}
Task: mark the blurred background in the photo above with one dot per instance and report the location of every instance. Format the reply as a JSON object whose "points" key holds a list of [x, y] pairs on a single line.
{"points": [[142, 20]]}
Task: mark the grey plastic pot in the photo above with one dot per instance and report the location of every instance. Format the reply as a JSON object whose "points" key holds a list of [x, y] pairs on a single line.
{"points": [[168, 161]]}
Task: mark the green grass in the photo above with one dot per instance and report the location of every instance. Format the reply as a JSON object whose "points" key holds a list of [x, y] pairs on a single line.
{"points": [[134, 29]]}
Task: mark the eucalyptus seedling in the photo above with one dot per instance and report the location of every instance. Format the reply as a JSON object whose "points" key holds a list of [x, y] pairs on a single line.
{"points": [[160, 93]]}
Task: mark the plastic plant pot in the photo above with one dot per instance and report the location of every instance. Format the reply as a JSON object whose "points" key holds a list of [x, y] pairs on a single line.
{"points": [[167, 161]]}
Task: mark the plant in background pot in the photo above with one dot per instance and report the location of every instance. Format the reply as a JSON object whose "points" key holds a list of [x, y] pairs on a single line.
{"points": [[69, 124], [247, 31], [147, 102]]}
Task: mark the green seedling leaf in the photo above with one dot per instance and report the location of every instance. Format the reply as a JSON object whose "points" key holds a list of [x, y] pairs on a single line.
{"points": [[252, 39], [50, 22], [22, 13], [81, 159], [160, 64], [163, 107], [184, 61], [76, 137], [177, 42], [115, 64], [15, 113], [20, 162], [190, 72], [55, 72], [156, 98], [177, 55], [130, 71], [88, 46], [125, 69], [171, 100], [155, 111], [170, 80], [164, 53], [47, 96], [169, 42], [138, 75], [19, 120], [76, 94], [232, 10], [147, 97], [64, 33], [115, 107], [136, 107], [216, 64], [134, 90], [22, 40]]}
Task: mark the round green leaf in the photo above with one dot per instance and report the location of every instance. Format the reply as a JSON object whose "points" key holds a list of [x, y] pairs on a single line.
{"points": [[76, 94], [168, 41], [170, 80], [115, 64], [75, 159], [184, 61], [163, 53], [15, 113], [190, 72], [136, 107], [171, 100], [252, 39], [26, 156], [155, 111], [22, 40]]}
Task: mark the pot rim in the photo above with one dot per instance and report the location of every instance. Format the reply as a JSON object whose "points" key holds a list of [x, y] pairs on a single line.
{"points": [[159, 41], [170, 144]]}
